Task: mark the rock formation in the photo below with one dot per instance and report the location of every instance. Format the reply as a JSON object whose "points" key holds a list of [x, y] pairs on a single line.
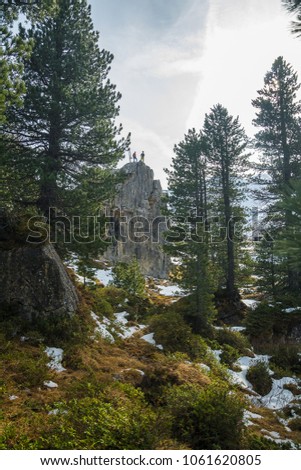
{"points": [[33, 279], [138, 224]]}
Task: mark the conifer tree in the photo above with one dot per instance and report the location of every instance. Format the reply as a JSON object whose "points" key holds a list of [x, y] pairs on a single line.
{"points": [[67, 122], [226, 144], [278, 118], [187, 182], [294, 6]]}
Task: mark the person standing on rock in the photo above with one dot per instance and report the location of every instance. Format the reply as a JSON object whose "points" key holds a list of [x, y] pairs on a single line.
{"points": [[142, 156], [134, 157]]}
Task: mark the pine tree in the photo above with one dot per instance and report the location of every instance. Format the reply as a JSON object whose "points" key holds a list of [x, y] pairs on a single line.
{"points": [[279, 142], [226, 144], [288, 243], [279, 137], [14, 49], [187, 182], [67, 121], [294, 6]]}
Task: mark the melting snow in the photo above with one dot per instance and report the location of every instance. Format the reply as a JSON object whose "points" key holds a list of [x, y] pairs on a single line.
{"points": [[237, 328], [291, 310], [50, 384], [127, 331], [217, 354], [13, 397], [105, 276], [251, 303], [244, 363], [248, 415], [150, 339], [279, 397], [102, 329], [204, 367], [56, 356], [171, 291]]}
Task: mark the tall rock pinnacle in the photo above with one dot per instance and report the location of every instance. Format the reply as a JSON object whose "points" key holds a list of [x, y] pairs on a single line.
{"points": [[138, 221]]}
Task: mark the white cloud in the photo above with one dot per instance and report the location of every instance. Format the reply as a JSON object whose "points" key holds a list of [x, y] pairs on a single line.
{"points": [[172, 68]]}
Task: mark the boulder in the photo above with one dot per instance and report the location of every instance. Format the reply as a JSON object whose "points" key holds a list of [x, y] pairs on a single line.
{"points": [[33, 280]]}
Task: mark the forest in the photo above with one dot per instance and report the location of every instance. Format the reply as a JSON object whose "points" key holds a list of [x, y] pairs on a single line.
{"points": [[99, 356]]}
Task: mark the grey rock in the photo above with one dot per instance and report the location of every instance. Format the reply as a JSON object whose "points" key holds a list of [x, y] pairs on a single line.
{"points": [[34, 282], [138, 222]]}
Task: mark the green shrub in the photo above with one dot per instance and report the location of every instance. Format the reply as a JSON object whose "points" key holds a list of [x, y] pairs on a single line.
{"points": [[175, 335], [254, 441], [59, 328], [205, 418], [29, 371], [295, 424], [100, 305], [259, 376], [235, 339], [114, 295], [128, 276], [288, 357], [118, 419], [229, 355], [259, 321]]}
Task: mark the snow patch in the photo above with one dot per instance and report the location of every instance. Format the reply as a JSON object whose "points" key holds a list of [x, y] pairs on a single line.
{"points": [[101, 328], [127, 331], [251, 303], [171, 291], [240, 378], [279, 397], [291, 309], [149, 338], [204, 367], [217, 354], [50, 384], [56, 356], [105, 276], [248, 415], [237, 328]]}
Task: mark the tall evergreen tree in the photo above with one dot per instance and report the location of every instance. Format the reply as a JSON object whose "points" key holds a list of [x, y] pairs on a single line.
{"points": [[294, 6], [279, 141], [67, 122], [187, 182], [226, 144], [13, 49], [279, 138]]}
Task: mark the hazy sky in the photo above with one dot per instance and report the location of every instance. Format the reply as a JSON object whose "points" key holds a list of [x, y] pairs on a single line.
{"points": [[175, 59]]}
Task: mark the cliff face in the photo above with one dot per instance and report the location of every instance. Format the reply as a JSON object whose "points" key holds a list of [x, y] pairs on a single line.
{"points": [[138, 224]]}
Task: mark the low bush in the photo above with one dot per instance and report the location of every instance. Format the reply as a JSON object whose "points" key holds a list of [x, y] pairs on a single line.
{"points": [[175, 335], [253, 441], [288, 357], [295, 424], [260, 321], [117, 419], [229, 355], [114, 295], [100, 305], [28, 370], [205, 418], [128, 276], [235, 339], [259, 376]]}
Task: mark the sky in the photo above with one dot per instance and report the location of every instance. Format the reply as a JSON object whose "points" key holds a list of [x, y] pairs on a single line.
{"points": [[175, 59]]}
